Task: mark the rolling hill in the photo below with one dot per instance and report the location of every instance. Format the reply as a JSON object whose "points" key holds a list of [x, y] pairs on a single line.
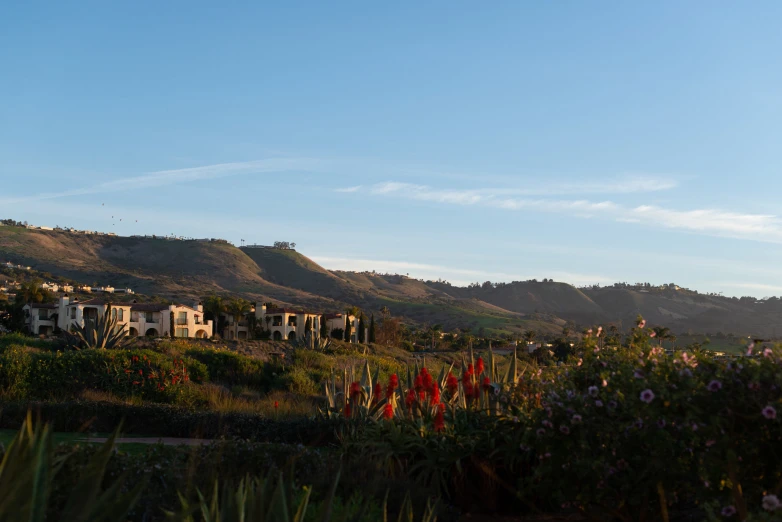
{"points": [[186, 270]]}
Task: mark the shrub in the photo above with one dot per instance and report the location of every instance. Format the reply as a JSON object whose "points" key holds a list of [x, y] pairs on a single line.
{"points": [[231, 368]]}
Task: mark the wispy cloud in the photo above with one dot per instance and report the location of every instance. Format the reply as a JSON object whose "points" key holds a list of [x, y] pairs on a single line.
{"points": [[455, 275], [348, 189], [168, 177], [756, 227]]}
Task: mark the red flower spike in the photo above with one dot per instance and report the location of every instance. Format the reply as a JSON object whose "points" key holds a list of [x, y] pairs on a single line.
{"points": [[388, 411], [410, 399], [421, 396], [439, 418], [451, 384], [347, 411], [435, 396], [393, 381], [355, 390], [486, 384], [378, 391], [419, 383], [276, 405], [479, 366], [428, 382]]}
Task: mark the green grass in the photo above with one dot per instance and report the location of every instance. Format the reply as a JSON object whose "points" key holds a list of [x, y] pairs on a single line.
{"points": [[6, 436]]}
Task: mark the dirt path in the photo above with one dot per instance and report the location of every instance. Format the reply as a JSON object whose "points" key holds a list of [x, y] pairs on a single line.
{"points": [[168, 441]]}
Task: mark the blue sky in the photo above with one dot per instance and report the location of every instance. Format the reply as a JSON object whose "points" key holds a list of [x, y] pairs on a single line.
{"points": [[589, 142]]}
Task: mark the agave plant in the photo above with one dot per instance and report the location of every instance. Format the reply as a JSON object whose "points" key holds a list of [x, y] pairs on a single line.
{"points": [[26, 474], [312, 341], [102, 332]]}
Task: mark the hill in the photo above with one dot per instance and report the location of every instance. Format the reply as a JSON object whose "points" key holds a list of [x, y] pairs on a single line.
{"points": [[183, 270], [188, 270]]}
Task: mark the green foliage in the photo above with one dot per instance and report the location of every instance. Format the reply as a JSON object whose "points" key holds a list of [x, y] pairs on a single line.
{"points": [[27, 374], [231, 368], [372, 338], [361, 330], [348, 330], [29, 467]]}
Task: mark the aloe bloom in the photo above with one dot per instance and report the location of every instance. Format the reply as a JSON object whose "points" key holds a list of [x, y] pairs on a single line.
{"points": [[388, 411], [439, 418], [479, 366]]}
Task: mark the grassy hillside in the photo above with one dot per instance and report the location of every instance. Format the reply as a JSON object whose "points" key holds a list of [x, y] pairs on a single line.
{"points": [[188, 269]]}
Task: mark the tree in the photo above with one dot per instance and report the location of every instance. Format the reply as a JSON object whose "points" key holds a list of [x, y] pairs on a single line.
{"points": [[372, 329], [215, 306], [348, 327], [324, 327], [308, 325], [385, 313], [529, 336], [238, 308], [434, 331], [361, 330]]}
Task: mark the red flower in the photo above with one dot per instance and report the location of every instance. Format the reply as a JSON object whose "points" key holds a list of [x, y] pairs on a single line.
{"points": [[141, 372], [452, 384], [421, 396], [435, 396], [276, 405], [135, 358], [428, 382], [410, 399], [377, 392], [355, 390], [127, 371], [479, 366], [347, 411], [393, 381], [419, 383], [136, 383], [388, 411], [439, 418], [486, 384]]}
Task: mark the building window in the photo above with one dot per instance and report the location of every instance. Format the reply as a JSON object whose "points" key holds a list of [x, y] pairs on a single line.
{"points": [[120, 314], [292, 320], [73, 313], [114, 314], [277, 320], [182, 332], [181, 318]]}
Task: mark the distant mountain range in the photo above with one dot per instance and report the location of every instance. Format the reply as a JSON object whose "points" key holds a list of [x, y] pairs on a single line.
{"points": [[188, 270]]}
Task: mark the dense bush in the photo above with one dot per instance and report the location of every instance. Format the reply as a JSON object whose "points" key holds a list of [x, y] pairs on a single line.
{"points": [[231, 368], [149, 375]]}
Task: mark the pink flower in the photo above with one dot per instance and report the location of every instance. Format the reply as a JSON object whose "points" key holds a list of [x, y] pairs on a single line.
{"points": [[547, 424], [647, 396], [769, 412], [661, 423], [771, 503], [714, 386], [565, 430], [599, 404], [750, 346], [710, 443], [540, 432], [580, 362], [576, 419], [728, 511], [642, 324], [638, 374], [605, 383], [767, 352], [652, 334]]}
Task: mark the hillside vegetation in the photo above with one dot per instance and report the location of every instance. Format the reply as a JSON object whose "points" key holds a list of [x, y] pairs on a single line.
{"points": [[185, 270]]}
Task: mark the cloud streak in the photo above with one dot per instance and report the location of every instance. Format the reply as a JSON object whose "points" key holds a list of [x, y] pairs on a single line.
{"points": [[715, 222], [162, 178]]}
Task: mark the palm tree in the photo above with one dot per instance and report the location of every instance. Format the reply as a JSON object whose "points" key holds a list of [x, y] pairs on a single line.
{"points": [[214, 305], [385, 312], [433, 331], [529, 336], [662, 334], [238, 308], [31, 292]]}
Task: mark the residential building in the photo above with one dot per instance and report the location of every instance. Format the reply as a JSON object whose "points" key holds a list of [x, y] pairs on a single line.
{"points": [[41, 318], [138, 319], [288, 323]]}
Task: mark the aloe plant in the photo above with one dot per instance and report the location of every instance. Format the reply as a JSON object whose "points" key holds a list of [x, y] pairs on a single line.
{"points": [[313, 341], [102, 332], [29, 466]]}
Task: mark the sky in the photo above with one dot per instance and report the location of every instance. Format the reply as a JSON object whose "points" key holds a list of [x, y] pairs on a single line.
{"points": [[588, 142]]}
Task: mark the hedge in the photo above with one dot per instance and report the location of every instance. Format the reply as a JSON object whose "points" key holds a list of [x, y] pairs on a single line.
{"points": [[162, 420]]}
